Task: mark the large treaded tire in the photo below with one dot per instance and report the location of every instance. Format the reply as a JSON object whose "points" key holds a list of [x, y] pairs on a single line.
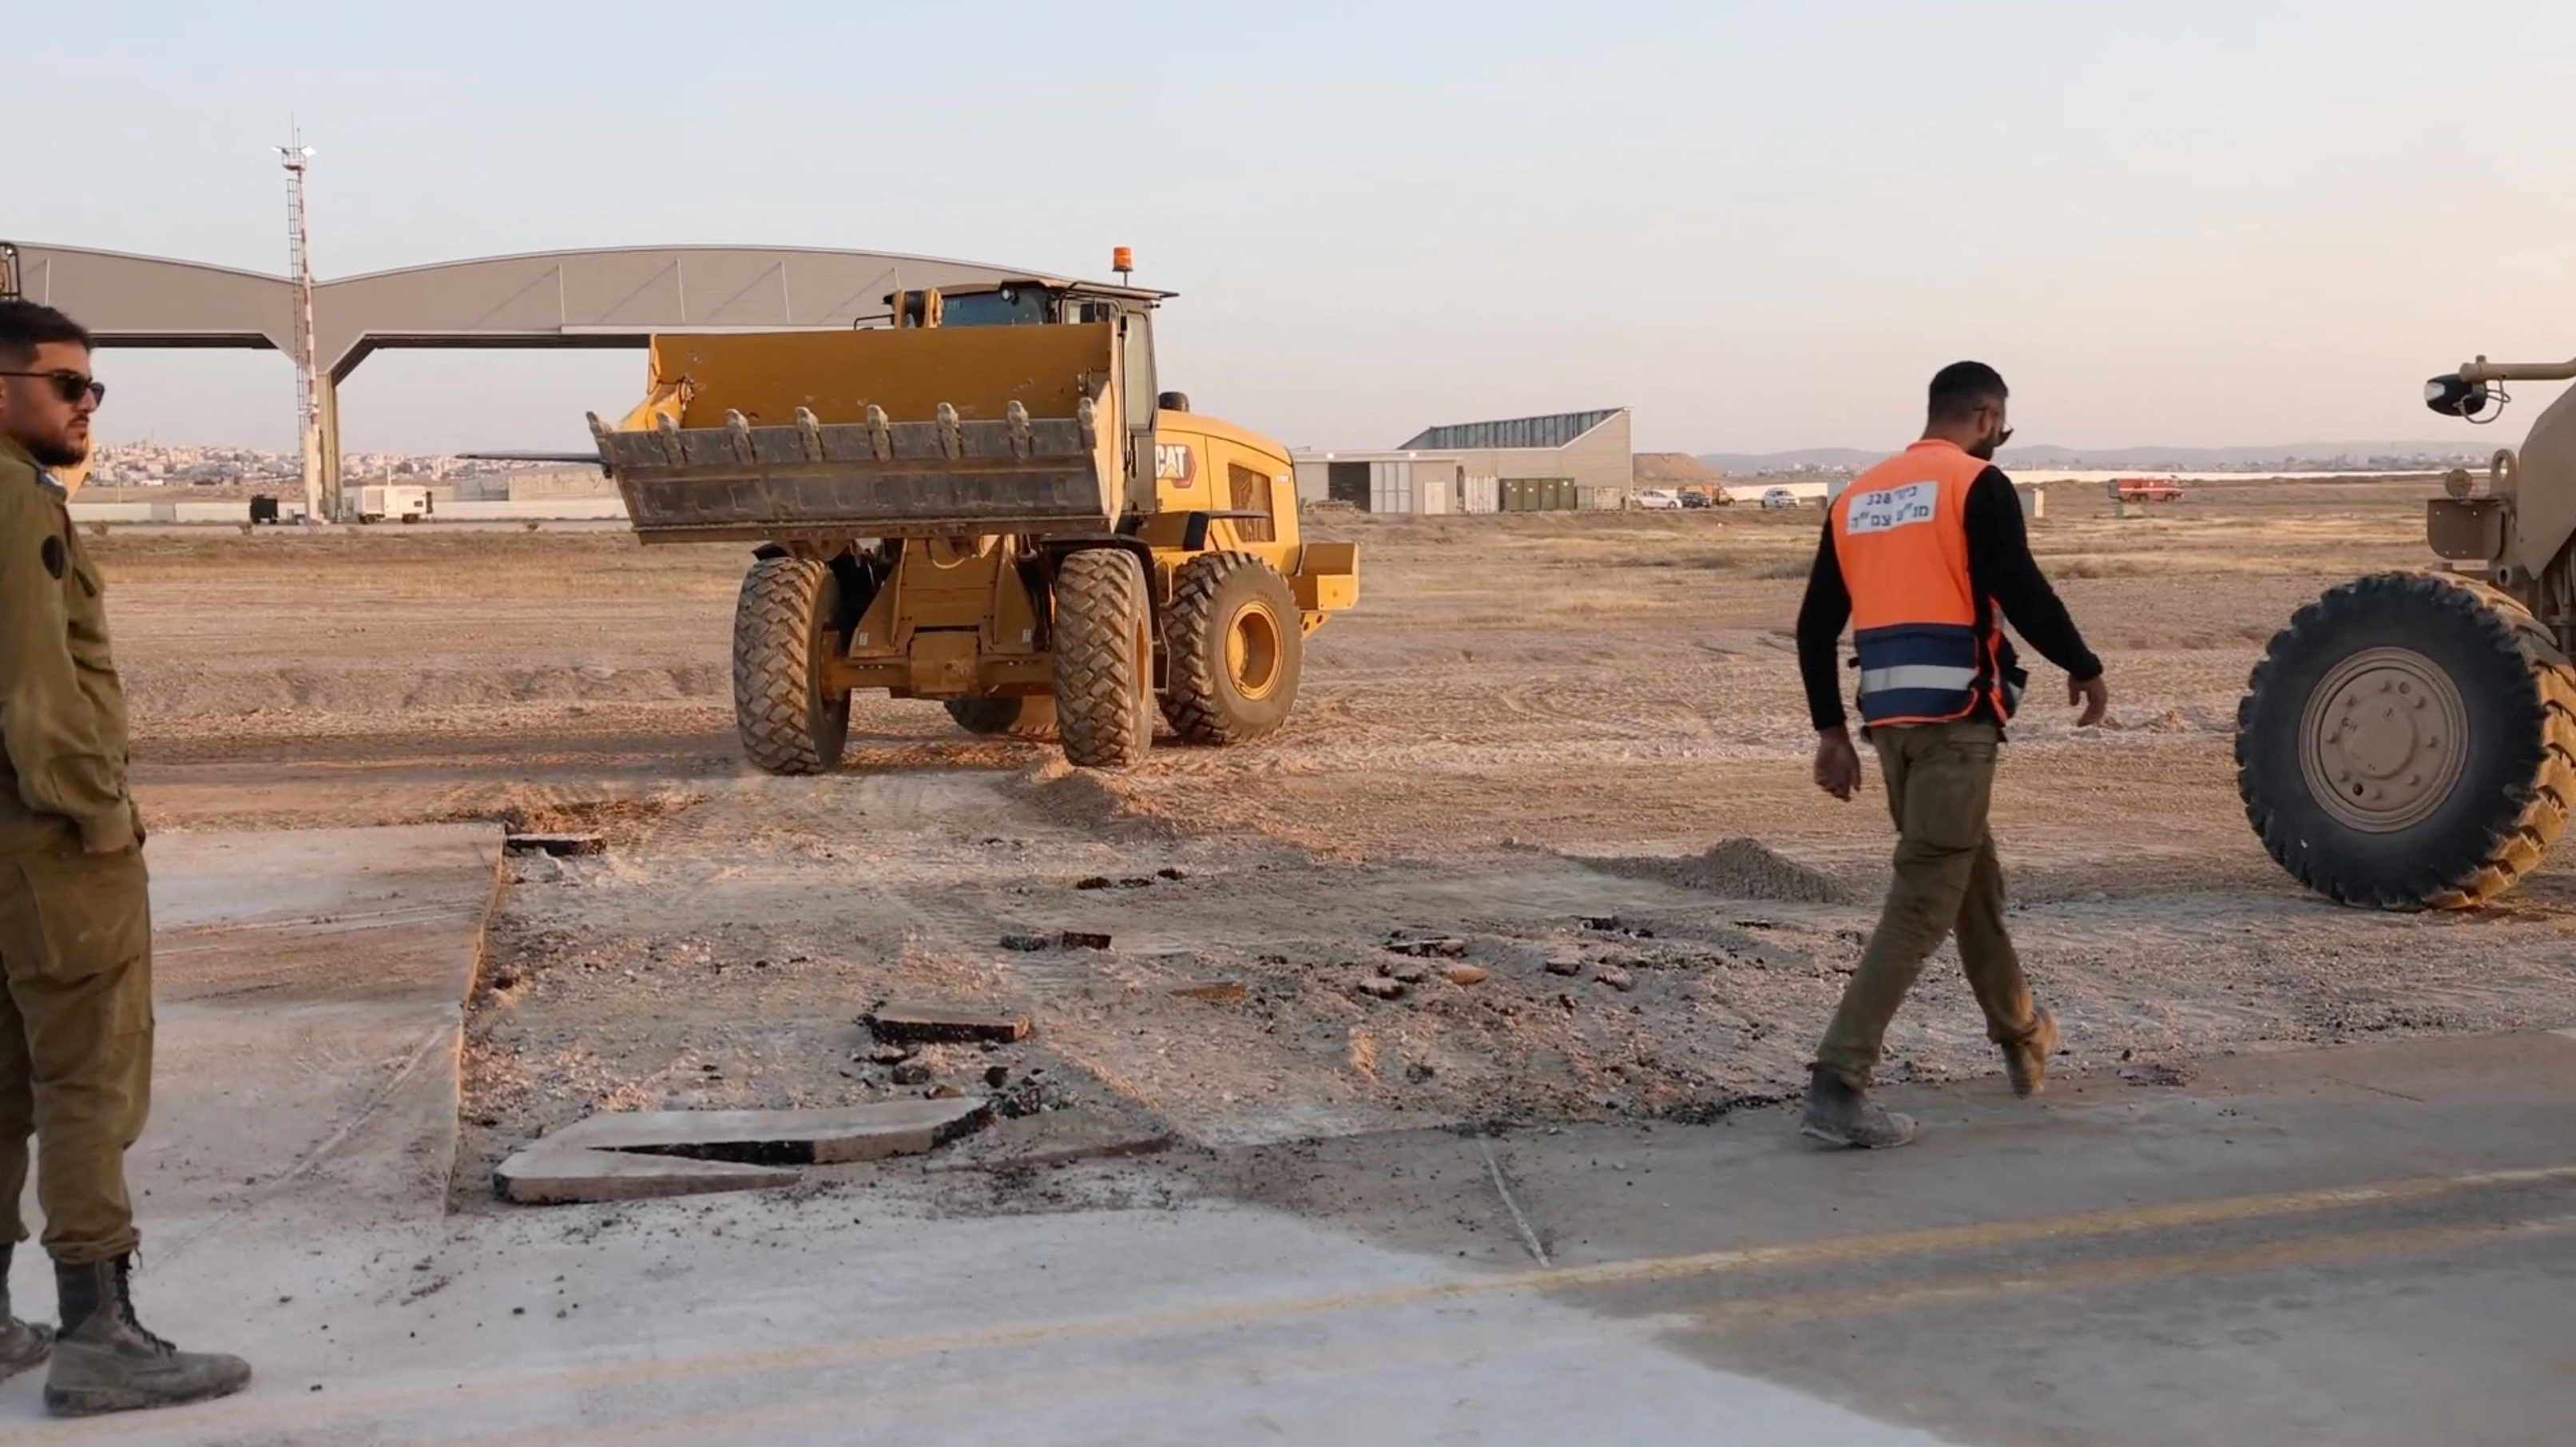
{"points": [[784, 627], [1104, 659], [2516, 775], [1016, 718], [1215, 694]]}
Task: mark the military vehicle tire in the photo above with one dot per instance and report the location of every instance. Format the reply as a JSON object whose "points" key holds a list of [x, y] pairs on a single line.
{"points": [[2457, 785], [1236, 648], [1017, 718], [785, 625], [1104, 659]]}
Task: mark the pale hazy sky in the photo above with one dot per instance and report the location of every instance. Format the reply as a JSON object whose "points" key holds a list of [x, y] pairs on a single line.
{"points": [[1760, 225]]}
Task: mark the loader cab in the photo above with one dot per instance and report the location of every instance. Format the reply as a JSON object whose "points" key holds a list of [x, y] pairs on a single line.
{"points": [[1025, 302], [1047, 301]]}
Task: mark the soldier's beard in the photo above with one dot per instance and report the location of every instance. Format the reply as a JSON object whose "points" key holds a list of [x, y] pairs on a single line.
{"points": [[60, 451], [1984, 451]]}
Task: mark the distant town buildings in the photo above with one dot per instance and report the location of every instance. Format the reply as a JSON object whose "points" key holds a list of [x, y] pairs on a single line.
{"points": [[153, 464]]}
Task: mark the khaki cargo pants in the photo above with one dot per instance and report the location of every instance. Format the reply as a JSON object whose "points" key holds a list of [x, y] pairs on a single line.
{"points": [[75, 1042], [1939, 779]]}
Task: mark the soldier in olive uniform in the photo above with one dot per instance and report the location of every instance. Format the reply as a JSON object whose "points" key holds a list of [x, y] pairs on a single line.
{"points": [[75, 927]]}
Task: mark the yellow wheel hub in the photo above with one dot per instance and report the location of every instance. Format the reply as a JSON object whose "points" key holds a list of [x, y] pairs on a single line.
{"points": [[1253, 650]]}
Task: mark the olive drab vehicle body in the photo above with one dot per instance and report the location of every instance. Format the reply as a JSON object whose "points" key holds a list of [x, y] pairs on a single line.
{"points": [[988, 502], [2409, 740]]}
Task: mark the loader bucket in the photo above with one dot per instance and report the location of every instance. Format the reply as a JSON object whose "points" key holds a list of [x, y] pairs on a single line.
{"points": [[897, 433]]}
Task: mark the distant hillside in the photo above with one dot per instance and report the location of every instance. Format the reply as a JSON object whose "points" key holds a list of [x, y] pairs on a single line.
{"points": [[2300, 456]]}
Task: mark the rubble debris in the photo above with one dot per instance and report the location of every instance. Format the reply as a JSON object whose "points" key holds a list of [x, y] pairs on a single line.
{"points": [[1097, 881], [1025, 943], [1215, 992], [1381, 986], [1564, 964], [1172, 871], [626, 1156], [1442, 947], [997, 1076], [1615, 978], [1409, 974], [535, 868], [943, 1092], [1136, 882], [558, 845], [910, 1073], [929, 1024], [1032, 1095], [1074, 939], [1467, 974], [890, 1054]]}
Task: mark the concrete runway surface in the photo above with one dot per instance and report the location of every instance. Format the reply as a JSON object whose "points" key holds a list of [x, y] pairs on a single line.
{"points": [[2374, 1244]]}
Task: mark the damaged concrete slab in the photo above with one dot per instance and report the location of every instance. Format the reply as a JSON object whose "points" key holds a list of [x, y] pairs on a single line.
{"points": [[311, 988], [631, 1156], [933, 1024]]}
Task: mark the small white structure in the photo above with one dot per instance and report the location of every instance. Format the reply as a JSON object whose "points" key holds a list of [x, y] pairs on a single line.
{"points": [[378, 501]]}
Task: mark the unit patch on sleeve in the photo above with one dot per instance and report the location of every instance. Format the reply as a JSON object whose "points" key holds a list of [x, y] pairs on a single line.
{"points": [[53, 553]]}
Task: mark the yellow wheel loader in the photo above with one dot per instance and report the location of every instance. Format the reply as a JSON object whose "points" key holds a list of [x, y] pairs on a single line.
{"points": [[986, 502], [2409, 741]]}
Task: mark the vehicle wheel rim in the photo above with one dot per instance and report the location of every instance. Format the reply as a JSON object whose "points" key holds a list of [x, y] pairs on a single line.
{"points": [[2383, 740], [1252, 651]]}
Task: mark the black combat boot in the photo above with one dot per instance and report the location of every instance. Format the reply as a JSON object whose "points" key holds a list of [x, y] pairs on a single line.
{"points": [[1838, 1114], [22, 1345], [104, 1361]]}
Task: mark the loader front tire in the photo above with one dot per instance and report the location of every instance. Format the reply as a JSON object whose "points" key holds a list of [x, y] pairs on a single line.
{"points": [[786, 627], [2409, 742], [1016, 718], [1104, 659], [1236, 647]]}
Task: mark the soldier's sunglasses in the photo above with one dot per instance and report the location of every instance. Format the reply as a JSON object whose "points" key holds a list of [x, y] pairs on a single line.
{"points": [[68, 384]]}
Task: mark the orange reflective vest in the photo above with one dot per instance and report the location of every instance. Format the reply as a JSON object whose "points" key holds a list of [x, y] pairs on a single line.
{"points": [[1929, 648]]}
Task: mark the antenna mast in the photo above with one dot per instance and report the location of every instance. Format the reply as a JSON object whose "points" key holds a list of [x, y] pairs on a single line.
{"points": [[308, 418]]}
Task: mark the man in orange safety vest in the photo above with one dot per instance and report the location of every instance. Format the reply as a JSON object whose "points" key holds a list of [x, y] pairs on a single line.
{"points": [[1920, 555]]}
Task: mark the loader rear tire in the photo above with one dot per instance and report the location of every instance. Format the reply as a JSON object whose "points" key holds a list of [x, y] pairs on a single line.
{"points": [[2409, 742], [1018, 718], [1104, 659], [1236, 648], [785, 628]]}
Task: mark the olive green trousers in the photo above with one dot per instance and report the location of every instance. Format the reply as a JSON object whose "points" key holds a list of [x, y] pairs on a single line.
{"points": [[75, 1042], [1940, 778]]}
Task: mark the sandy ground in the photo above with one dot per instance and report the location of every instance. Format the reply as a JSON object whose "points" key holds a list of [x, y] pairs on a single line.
{"points": [[1516, 755]]}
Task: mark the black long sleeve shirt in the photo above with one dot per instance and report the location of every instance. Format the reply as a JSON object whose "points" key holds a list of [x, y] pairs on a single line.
{"points": [[2000, 568]]}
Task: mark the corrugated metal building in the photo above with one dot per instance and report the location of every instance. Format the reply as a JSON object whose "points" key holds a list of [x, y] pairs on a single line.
{"points": [[1524, 464], [1565, 459], [1393, 482]]}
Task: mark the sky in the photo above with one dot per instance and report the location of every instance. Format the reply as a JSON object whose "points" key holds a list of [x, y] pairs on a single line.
{"points": [[1762, 226]]}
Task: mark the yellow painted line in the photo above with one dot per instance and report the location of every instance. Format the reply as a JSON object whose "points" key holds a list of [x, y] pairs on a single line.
{"points": [[1456, 1344], [1167, 1321]]}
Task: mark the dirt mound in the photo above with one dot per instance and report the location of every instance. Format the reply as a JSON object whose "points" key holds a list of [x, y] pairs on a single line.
{"points": [[1669, 469], [1738, 869], [1084, 799]]}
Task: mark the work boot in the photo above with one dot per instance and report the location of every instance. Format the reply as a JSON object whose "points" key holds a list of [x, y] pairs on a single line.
{"points": [[104, 1361], [1844, 1115], [2026, 1060], [22, 1344]]}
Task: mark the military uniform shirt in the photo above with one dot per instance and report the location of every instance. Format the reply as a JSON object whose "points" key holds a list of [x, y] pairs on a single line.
{"points": [[62, 711]]}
